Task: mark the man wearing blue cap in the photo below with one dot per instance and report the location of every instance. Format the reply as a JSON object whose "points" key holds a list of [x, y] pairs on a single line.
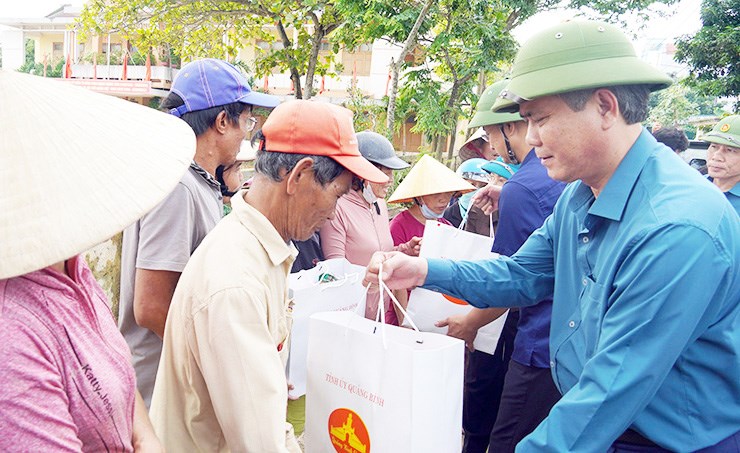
{"points": [[215, 99]]}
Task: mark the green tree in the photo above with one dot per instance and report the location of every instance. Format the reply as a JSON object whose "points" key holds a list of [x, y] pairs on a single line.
{"points": [[713, 53], [218, 28], [673, 107]]}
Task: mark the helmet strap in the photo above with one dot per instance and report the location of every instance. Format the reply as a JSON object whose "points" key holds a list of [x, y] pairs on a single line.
{"points": [[509, 151]]}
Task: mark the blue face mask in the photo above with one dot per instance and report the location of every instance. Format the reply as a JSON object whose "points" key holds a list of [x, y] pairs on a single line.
{"points": [[428, 213], [465, 201]]}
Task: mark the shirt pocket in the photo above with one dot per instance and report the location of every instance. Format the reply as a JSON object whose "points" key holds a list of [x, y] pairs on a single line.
{"points": [[578, 334]]}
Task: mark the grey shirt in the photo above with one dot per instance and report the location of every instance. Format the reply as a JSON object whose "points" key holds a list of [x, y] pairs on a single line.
{"points": [[164, 239]]}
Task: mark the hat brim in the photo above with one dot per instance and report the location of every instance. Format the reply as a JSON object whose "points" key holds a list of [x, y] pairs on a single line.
{"points": [[260, 99], [582, 75], [488, 118], [394, 163], [78, 167], [721, 139], [497, 170], [428, 177], [362, 168]]}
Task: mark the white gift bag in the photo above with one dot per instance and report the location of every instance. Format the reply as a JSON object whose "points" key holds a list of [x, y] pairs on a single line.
{"points": [[379, 388], [332, 285], [427, 307]]}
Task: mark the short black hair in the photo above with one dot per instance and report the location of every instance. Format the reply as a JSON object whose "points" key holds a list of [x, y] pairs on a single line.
{"points": [[672, 137], [270, 163], [201, 120], [632, 100]]}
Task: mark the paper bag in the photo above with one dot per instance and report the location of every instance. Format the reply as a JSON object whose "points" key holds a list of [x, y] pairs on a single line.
{"points": [[332, 285], [380, 388], [427, 307]]}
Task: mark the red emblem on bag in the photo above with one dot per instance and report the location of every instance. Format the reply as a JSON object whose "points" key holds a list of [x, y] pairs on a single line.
{"points": [[347, 432], [455, 300]]}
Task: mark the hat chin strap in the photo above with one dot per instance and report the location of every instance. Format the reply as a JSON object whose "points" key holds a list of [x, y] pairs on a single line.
{"points": [[509, 151]]}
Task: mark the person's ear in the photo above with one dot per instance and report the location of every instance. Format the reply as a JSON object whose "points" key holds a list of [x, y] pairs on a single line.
{"points": [[608, 107], [221, 124], [300, 175]]}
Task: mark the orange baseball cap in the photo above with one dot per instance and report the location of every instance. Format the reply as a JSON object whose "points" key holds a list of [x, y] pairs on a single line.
{"points": [[319, 129]]}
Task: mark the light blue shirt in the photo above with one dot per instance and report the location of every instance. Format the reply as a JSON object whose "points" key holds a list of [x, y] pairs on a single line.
{"points": [[646, 317]]}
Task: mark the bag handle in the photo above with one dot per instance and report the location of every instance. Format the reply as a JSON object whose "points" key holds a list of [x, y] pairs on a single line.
{"points": [[490, 224], [381, 308]]}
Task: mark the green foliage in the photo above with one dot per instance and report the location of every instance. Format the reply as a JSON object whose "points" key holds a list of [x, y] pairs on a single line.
{"points": [[368, 114], [713, 53], [672, 106]]}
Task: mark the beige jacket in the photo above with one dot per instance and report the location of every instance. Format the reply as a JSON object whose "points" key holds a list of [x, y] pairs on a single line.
{"points": [[221, 382]]}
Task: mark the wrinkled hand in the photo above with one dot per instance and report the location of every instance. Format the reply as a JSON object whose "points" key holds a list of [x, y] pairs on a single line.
{"points": [[487, 198], [400, 271], [412, 247], [458, 327]]}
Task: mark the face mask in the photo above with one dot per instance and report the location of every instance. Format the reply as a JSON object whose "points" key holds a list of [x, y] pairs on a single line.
{"points": [[465, 201], [428, 213], [368, 194]]}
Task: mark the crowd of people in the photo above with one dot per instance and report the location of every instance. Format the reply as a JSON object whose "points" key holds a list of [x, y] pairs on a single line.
{"points": [[618, 263]]}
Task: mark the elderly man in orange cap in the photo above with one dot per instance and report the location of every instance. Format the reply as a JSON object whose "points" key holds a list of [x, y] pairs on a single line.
{"points": [[221, 384]]}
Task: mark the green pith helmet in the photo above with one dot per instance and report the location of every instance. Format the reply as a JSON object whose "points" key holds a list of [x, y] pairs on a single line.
{"points": [[573, 56], [726, 132], [483, 114]]}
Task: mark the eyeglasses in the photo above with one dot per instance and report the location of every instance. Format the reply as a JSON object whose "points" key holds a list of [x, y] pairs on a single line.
{"points": [[251, 123]]}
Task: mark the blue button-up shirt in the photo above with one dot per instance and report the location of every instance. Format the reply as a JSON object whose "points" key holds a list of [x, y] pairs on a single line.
{"points": [[646, 315], [526, 200], [733, 196]]}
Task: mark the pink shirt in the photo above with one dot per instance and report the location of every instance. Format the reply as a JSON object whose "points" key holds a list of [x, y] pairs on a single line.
{"points": [[67, 380], [404, 226], [357, 231]]}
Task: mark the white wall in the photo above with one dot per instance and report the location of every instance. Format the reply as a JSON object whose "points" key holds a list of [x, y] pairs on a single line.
{"points": [[11, 41]]}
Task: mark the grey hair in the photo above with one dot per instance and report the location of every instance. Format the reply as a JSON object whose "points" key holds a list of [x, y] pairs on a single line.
{"points": [[632, 100], [270, 164]]}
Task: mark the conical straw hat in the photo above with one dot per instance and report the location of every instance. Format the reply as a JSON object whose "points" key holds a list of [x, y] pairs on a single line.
{"points": [[77, 167], [427, 177]]}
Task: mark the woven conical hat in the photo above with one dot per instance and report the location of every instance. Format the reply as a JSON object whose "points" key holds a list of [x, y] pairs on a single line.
{"points": [[77, 167], [429, 176]]}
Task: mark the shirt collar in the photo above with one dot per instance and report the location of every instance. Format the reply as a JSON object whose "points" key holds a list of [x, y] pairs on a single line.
{"points": [[205, 175], [735, 190], [276, 248], [612, 201]]}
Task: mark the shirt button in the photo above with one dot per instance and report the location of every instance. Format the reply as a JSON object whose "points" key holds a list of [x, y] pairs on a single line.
{"points": [[585, 239], [552, 364], [585, 281], [571, 324]]}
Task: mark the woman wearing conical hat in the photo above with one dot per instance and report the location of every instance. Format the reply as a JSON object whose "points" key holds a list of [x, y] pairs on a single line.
{"points": [[77, 168], [429, 186]]}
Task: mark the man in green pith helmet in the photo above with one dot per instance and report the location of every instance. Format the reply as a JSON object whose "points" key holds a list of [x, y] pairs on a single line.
{"points": [[646, 358], [723, 158]]}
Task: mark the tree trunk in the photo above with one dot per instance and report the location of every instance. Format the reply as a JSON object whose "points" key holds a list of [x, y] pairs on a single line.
{"points": [[295, 76], [319, 32], [318, 35], [396, 67], [451, 102]]}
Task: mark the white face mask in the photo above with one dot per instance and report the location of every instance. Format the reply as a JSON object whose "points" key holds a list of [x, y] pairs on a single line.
{"points": [[368, 194], [428, 213]]}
